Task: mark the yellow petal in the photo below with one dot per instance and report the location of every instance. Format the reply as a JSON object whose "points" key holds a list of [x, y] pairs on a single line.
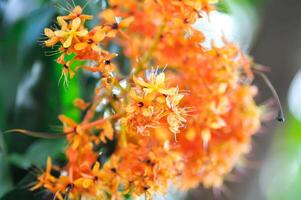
{"points": [[51, 42], [60, 33], [75, 142], [75, 24], [48, 32], [82, 33], [111, 33], [77, 10], [141, 82], [87, 17], [68, 42], [96, 167], [62, 22], [87, 183]]}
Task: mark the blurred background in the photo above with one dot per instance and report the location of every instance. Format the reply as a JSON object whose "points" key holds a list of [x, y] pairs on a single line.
{"points": [[30, 97]]}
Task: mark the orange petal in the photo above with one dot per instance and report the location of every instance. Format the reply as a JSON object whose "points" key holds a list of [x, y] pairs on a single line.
{"points": [[71, 74], [99, 35], [81, 104], [108, 130], [67, 121], [108, 15], [96, 48], [48, 168], [80, 46], [126, 22]]}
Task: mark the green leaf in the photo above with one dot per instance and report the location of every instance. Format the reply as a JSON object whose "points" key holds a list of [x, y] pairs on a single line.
{"points": [[37, 153], [5, 180]]}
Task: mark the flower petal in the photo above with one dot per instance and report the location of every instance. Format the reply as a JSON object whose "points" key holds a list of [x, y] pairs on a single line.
{"points": [[80, 46], [99, 36], [75, 24], [82, 33], [126, 22], [68, 42]]}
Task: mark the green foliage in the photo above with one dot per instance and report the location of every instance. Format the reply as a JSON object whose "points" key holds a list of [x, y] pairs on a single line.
{"points": [[37, 152]]}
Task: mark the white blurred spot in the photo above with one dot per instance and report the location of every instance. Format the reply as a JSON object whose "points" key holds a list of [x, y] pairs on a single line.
{"points": [[24, 97], [215, 26], [294, 96], [239, 26]]}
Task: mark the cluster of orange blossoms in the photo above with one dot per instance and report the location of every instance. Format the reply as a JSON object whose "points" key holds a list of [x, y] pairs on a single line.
{"points": [[187, 122]]}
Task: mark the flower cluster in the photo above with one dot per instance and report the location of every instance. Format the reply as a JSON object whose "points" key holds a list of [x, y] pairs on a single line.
{"points": [[187, 123]]}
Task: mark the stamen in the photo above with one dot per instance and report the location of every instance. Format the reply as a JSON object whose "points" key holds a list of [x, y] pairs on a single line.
{"points": [[280, 116], [38, 134]]}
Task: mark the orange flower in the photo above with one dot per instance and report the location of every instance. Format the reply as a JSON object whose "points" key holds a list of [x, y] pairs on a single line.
{"points": [[113, 24], [77, 12], [142, 111], [92, 41]]}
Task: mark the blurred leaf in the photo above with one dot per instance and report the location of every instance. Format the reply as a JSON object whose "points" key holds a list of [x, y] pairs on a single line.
{"points": [[22, 194], [16, 45], [222, 7], [282, 173], [38, 152], [19, 160], [5, 180]]}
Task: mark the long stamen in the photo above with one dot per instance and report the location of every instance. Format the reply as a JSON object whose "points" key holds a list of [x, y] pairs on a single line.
{"points": [[280, 116]]}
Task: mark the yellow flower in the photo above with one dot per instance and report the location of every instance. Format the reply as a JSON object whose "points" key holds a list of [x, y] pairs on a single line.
{"points": [[155, 83], [74, 33], [52, 38]]}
